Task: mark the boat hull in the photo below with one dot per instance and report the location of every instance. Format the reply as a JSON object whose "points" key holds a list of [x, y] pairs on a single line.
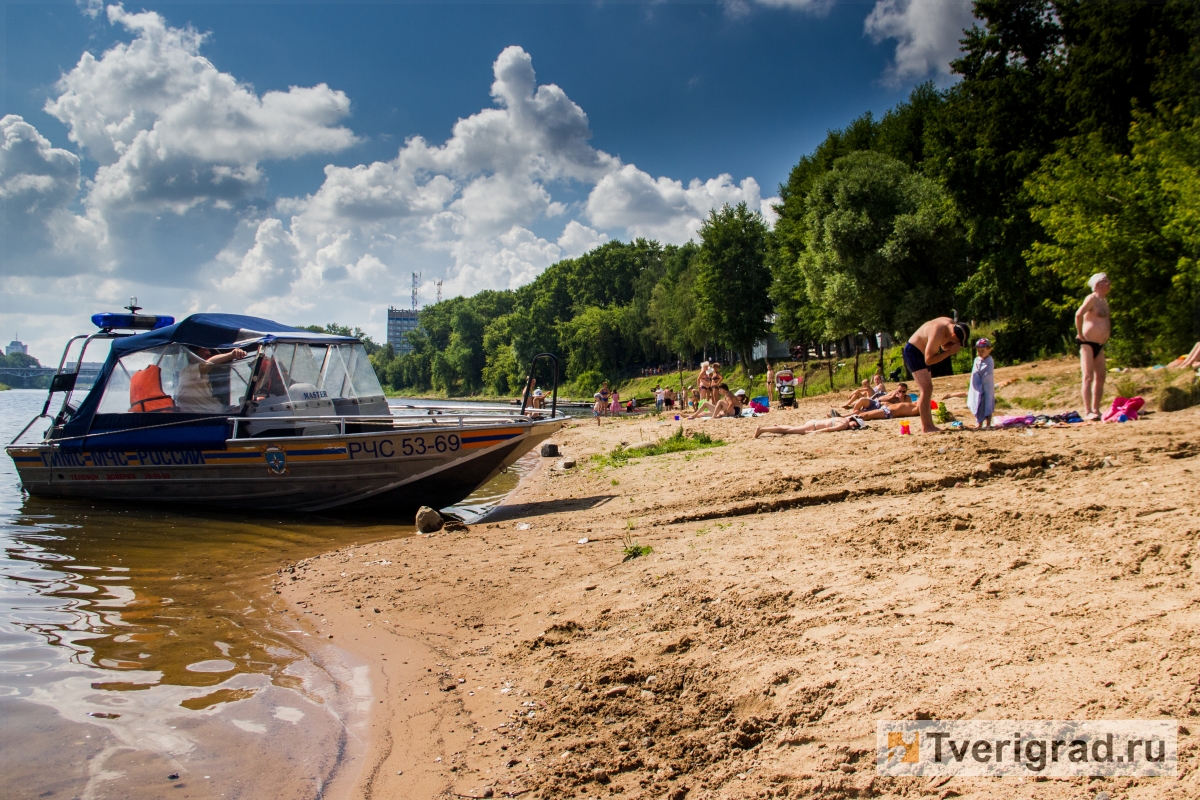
{"points": [[382, 474]]}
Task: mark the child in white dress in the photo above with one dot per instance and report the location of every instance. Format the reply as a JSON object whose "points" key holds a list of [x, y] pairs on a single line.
{"points": [[981, 397]]}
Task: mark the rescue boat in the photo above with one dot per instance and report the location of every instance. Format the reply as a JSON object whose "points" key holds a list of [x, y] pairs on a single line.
{"points": [[238, 412]]}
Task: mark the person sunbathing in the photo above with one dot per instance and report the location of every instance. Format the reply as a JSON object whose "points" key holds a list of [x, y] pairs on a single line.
{"points": [[873, 388], [831, 425], [900, 395], [729, 405], [858, 394], [704, 408], [893, 411], [1192, 359]]}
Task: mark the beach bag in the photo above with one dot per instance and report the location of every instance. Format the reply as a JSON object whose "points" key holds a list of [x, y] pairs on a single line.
{"points": [[758, 407], [1128, 406]]}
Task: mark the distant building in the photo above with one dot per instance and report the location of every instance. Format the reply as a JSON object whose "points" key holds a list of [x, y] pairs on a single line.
{"points": [[771, 347], [400, 321], [16, 347]]}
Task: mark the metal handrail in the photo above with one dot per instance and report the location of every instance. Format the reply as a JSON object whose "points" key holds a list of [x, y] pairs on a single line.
{"points": [[431, 421]]}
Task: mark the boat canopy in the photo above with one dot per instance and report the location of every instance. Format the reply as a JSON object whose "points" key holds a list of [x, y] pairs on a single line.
{"points": [[209, 331], [220, 330]]}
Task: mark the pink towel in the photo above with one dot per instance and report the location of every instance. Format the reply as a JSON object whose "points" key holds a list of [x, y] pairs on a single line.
{"points": [[1129, 406]]}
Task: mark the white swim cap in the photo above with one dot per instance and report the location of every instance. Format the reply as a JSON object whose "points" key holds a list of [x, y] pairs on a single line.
{"points": [[1099, 276]]}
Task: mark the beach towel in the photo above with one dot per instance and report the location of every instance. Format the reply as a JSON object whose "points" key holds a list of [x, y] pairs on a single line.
{"points": [[759, 407], [981, 396], [1016, 422], [1128, 406]]}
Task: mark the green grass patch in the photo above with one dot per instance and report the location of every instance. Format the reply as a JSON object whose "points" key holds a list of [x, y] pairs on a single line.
{"points": [[677, 442], [632, 549]]}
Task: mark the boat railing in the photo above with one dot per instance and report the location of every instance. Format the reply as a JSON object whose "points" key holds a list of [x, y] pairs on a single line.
{"points": [[429, 417]]}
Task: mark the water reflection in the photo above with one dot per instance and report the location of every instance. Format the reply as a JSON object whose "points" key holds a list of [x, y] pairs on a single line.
{"points": [[141, 644]]}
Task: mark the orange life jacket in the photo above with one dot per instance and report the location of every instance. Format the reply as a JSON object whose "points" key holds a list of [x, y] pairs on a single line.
{"points": [[146, 392]]}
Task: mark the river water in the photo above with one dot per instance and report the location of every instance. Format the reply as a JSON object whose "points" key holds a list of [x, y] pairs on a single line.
{"points": [[142, 653]]}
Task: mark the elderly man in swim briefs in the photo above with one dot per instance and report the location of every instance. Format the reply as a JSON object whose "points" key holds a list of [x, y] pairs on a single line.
{"points": [[1093, 325], [934, 341]]}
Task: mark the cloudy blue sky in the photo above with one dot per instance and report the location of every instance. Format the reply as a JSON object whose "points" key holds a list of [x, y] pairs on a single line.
{"points": [[301, 160]]}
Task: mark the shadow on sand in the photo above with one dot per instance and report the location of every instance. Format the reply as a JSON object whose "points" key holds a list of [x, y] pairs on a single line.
{"points": [[505, 511]]}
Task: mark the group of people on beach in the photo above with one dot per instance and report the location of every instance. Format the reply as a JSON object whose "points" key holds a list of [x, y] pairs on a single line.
{"points": [[939, 339], [933, 342]]}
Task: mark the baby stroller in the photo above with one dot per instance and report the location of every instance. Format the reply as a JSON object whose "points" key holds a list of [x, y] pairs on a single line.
{"points": [[785, 387]]}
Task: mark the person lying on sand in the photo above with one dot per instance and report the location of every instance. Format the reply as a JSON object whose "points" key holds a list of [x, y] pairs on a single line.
{"points": [[1192, 359], [900, 395], [895, 410], [831, 425]]}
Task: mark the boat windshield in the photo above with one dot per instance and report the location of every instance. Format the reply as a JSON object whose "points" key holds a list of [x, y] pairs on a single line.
{"points": [[176, 378], [281, 377], [310, 373]]}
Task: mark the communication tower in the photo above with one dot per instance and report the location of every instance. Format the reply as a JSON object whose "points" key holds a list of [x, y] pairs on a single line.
{"points": [[416, 299], [439, 285]]}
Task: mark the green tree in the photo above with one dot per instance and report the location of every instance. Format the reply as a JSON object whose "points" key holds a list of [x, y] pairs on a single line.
{"points": [[732, 279], [674, 320], [593, 341], [885, 247]]}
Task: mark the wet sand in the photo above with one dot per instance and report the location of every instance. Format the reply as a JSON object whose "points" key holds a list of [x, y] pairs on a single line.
{"points": [[799, 589]]}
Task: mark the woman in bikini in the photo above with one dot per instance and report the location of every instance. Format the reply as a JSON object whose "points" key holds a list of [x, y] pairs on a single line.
{"points": [[831, 425], [702, 380]]}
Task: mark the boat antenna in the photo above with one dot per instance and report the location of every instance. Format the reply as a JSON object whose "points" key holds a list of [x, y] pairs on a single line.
{"points": [[133, 307]]}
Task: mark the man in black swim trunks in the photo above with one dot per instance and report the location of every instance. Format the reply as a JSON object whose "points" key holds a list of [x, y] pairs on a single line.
{"points": [[934, 341], [1093, 326]]}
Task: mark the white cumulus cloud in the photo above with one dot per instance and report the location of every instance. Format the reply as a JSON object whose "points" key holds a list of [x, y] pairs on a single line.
{"points": [[170, 130], [577, 239], [38, 183], [488, 208], [467, 208], [663, 208], [927, 34], [814, 7]]}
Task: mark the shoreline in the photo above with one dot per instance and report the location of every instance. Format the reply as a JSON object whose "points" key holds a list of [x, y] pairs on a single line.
{"points": [[799, 589]]}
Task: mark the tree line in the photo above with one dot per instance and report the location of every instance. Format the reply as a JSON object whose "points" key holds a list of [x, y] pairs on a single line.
{"points": [[1070, 145]]}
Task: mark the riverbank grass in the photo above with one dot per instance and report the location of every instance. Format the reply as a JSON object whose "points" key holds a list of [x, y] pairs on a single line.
{"points": [[677, 442]]}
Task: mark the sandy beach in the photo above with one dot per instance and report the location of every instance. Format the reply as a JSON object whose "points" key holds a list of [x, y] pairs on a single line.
{"points": [[799, 589]]}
